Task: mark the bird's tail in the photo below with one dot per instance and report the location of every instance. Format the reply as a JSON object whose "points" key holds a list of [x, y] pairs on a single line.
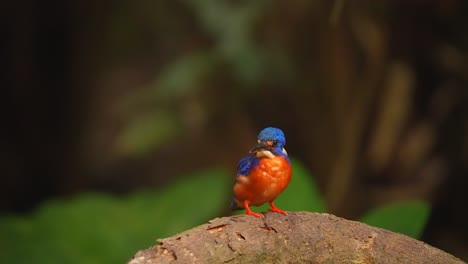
{"points": [[234, 206]]}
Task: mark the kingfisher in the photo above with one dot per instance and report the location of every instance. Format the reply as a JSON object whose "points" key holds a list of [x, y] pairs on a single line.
{"points": [[263, 174]]}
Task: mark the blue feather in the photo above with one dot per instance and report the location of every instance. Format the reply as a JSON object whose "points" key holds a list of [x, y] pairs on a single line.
{"points": [[243, 169], [273, 133], [246, 164]]}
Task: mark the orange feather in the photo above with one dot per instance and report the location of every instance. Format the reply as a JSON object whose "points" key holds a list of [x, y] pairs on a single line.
{"points": [[264, 182]]}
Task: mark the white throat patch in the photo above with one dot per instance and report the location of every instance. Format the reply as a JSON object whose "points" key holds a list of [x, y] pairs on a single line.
{"points": [[268, 154], [264, 153]]}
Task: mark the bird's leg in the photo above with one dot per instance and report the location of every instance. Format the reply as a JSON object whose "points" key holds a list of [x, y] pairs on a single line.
{"points": [[276, 209], [249, 212]]}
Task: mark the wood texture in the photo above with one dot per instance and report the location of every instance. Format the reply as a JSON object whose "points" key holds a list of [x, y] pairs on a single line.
{"points": [[299, 237]]}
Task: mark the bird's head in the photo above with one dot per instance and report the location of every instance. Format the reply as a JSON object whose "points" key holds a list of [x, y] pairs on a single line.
{"points": [[270, 139]]}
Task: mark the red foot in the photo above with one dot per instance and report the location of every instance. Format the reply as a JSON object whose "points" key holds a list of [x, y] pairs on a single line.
{"points": [[276, 209], [254, 214], [249, 212]]}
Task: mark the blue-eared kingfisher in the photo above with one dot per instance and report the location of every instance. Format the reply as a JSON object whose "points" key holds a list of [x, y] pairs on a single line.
{"points": [[263, 174]]}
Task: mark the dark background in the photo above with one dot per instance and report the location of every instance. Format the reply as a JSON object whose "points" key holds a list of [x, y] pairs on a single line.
{"points": [[115, 96]]}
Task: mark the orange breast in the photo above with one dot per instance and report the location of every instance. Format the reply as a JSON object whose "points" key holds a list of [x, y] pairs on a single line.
{"points": [[264, 182]]}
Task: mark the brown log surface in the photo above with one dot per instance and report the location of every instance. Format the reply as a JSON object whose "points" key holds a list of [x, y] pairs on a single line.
{"points": [[299, 237]]}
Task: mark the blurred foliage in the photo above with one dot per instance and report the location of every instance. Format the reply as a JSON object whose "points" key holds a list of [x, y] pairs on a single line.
{"points": [[98, 228], [184, 76], [407, 217], [147, 132], [231, 26]]}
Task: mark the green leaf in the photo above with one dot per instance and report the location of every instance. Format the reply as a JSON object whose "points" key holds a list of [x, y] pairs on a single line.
{"points": [[99, 228], [185, 75], [302, 193], [147, 132], [407, 217]]}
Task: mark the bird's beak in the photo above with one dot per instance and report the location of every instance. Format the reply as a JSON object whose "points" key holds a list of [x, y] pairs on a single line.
{"points": [[262, 145]]}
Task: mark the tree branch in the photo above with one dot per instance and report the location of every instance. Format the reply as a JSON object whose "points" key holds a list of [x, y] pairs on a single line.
{"points": [[299, 237]]}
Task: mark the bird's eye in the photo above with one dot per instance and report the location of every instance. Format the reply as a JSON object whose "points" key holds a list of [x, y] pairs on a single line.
{"points": [[275, 142]]}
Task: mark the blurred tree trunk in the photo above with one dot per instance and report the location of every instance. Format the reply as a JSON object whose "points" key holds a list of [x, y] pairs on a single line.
{"points": [[41, 117], [378, 110]]}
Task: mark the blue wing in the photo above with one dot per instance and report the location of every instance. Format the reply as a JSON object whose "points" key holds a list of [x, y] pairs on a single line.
{"points": [[243, 169], [245, 164]]}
